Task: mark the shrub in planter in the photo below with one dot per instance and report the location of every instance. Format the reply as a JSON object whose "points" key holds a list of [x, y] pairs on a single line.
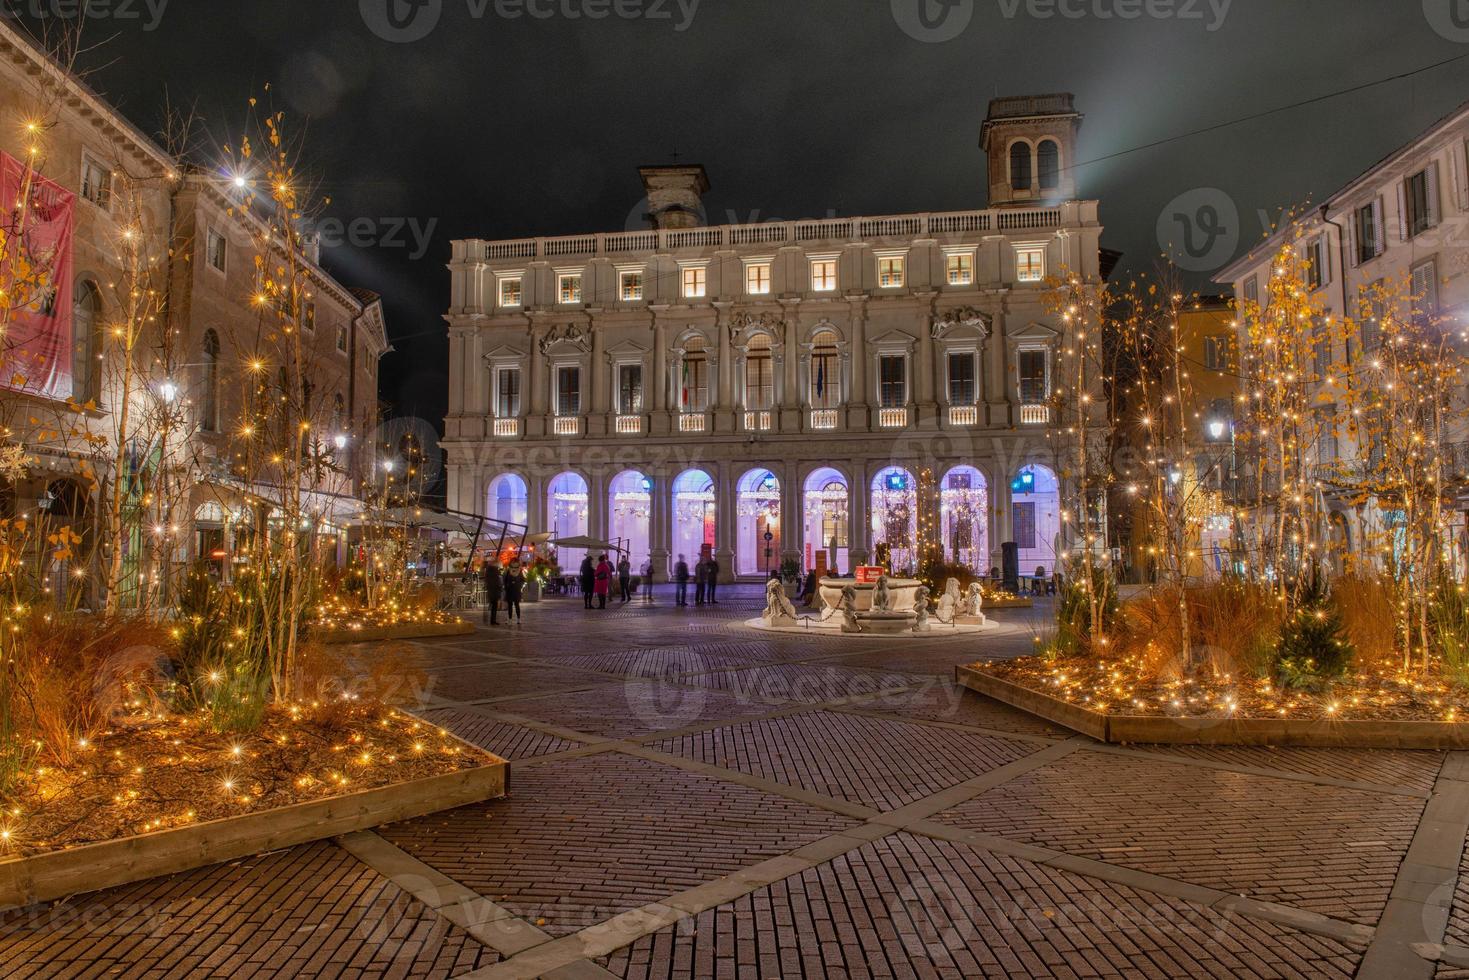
{"points": [[1314, 648]]}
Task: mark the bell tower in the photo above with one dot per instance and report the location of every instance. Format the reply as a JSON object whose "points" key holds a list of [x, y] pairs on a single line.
{"points": [[1030, 144]]}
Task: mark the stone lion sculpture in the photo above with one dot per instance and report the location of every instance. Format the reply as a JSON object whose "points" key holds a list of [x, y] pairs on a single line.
{"points": [[974, 602], [882, 596], [951, 603], [849, 610], [778, 608]]}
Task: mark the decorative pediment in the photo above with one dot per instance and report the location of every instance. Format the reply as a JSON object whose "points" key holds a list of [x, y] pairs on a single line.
{"points": [[893, 338], [961, 319], [504, 352], [1035, 333], [627, 348], [567, 334], [742, 325]]}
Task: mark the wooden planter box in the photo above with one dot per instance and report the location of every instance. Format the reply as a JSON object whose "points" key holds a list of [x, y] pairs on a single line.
{"points": [[1162, 730], [92, 867], [407, 631]]}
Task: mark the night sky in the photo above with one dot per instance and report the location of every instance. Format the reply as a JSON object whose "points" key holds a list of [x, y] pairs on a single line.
{"points": [[500, 127]]}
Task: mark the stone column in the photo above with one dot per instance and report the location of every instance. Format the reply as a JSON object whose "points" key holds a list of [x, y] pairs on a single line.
{"points": [[926, 407], [997, 377], [660, 523], [661, 417], [537, 385], [597, 517], [726, 519], [790, 395], [1001, 518], [598, 387], [859, 395], [724, 401], [859, 524]]}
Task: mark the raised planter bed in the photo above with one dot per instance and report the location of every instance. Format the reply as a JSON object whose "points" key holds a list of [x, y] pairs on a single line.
{"points": [[1011, 602], [58, 874], [405, 631], [1172, 730]]}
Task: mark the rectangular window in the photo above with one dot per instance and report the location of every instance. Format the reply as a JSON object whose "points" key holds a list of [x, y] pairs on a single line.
{"points": [[890, 272], [1024, 525], [1321, 350], [694, 385], [308, 317], [342, 337], [824, 275], [1327, 446], [695, 282], [96, 183], [893, 380], [629, 389], [1420, 200], [1372, 323], [1216, 353], [1030, 263], [826, 378], [568, 391], [759, 381], [1367, 226], [961, 269], [568, 287], [757, 278], [631, 285], [1034, 383], [510, 291], [217, 252], [1318, 263], [1252, 290], [1425, 291], [962, 389], [507, 393]]}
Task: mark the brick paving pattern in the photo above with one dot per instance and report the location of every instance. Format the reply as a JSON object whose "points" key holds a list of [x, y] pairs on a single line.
{"points": [[310, 912], [583, 840], [1329, 850], [911, 907], [803, 838], [881, 763]]}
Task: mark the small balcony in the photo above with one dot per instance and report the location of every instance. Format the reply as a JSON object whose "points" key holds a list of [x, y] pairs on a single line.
{"points": [[507, 428], [892, 418], [566, 425], [824, 419], [963, 415], [629, 425], [693, 422], [759, 421], [1035, 415]]}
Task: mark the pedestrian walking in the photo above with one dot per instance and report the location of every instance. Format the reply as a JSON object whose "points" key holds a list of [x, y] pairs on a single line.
{"points": [[603, 583], [648, 580], [494, 588], [701, 581], [681, 582], [588, 581], [514, 589], [711, 577], [624, 579]]}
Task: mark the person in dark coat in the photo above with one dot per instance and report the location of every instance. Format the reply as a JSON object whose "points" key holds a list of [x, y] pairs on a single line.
{"points": [[711, 577], [624, 578], [514, 588], [494, 588], [681, 580], [588, 581], [701, 581]]}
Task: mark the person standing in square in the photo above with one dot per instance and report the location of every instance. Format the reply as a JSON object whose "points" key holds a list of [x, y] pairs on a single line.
{"points": [[711, 575], [681, 580]]}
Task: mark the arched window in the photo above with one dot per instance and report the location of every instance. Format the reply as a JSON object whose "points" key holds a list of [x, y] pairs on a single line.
{"points": [[826, 378], [86, 341], [209, 406], [1020, 166], [759, 374], [1049, 164]]}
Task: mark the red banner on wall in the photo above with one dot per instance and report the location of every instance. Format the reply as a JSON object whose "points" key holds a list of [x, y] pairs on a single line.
{"points": [[36, 236]]}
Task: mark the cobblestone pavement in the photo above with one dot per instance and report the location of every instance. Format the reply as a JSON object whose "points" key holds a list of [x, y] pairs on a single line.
{"points": [[693, 799]]}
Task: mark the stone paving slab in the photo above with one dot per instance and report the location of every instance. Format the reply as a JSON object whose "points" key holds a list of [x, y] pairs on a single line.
{"points": [[501, 680], [941, 700], [312, 911], [582, 840], [907, 906], [1320, 848], [636, 707], [1388, 767], [878, 762]]}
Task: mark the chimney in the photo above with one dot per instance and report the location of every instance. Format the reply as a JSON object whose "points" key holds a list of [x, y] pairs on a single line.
{"points": [[675, 195]]}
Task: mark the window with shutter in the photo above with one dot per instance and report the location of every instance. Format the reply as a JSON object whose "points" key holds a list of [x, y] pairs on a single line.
{"points": [[1425, 290]]}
